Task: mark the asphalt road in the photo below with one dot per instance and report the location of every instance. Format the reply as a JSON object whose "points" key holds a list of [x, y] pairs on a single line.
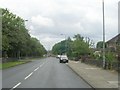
{"points": [[44, 73]]}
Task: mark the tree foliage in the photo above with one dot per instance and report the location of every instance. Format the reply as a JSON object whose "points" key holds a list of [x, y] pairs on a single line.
{"points": [[16, 41], [110, 56], [80, 47], [73, 48], [100, 45]]}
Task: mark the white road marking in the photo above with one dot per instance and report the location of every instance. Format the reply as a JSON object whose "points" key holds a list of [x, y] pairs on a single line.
{"points": [[42, 64], [28, 75], [36, 69], [16, 85]]}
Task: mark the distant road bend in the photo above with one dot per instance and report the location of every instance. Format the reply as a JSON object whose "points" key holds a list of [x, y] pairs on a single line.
{"points": [[44, 73]]}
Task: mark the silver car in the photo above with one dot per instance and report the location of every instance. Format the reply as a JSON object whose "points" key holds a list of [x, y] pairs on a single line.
{"points": [[63, 59]]}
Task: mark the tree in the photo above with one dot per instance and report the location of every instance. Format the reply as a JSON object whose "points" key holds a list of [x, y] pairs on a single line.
{"points": [[16, 41], [76, 48], [63, 47], [89, 42], [69, 47], [80, 47], [100, 45], [59, 48]]}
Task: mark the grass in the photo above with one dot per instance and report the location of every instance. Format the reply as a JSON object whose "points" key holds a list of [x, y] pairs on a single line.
{"points": [[11, 64], [15, 63]]}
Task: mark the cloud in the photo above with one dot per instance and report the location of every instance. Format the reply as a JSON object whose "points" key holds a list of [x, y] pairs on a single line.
{"points": [[42, 21], [47, 19], [48, 40], [31, 27]]}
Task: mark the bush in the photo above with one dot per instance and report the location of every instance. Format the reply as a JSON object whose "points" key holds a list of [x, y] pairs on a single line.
{"points": [[110, 58]]}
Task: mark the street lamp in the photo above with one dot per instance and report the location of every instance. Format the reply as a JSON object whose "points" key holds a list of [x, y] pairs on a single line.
{"points": [[103, 35]]}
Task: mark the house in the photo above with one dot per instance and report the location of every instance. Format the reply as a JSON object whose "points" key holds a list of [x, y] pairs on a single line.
{"points": [[113, 43]]}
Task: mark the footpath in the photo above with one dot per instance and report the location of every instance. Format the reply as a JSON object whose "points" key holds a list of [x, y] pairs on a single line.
{"points": [[95, 76]]}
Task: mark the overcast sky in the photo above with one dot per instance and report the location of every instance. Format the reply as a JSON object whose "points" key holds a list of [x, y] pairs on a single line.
{"points": [[48, 19]]}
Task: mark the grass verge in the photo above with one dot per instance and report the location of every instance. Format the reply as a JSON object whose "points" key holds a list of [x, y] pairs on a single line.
{"points": [[12, 64], [15, 63]]}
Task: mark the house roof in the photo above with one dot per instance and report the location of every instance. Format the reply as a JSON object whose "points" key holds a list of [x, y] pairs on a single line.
{"points": [[114, 39]]}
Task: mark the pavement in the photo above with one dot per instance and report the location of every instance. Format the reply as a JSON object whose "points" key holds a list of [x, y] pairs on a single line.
{"points": [[94, 76], [43, 73]]}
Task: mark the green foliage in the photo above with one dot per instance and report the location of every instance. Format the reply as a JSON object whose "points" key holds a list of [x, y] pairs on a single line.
{"points": [[16, 40], [100, 45], [0, 34], [12, 64], [75, 48], [110, 56], [59, 48], [97, 55], [80, 47]]}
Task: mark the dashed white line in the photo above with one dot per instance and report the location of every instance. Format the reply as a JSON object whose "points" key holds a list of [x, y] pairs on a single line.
{"points": [[36, 69], [28, 75], [42, 64], [16, 85]]}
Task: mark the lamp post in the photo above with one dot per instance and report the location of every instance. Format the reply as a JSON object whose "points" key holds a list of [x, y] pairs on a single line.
{"points": [[103, 35]]}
